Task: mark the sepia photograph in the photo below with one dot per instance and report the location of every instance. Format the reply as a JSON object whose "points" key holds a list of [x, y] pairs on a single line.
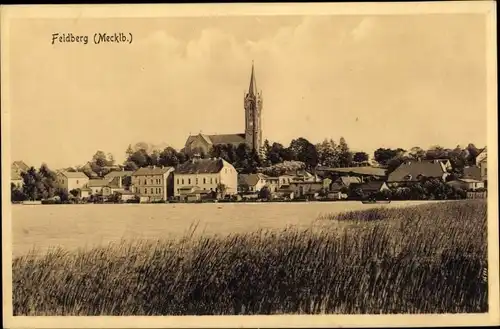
{"points": [[249, 165]]}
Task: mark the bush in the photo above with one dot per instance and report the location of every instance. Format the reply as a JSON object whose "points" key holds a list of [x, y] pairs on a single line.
{"points": [[423, 259]]}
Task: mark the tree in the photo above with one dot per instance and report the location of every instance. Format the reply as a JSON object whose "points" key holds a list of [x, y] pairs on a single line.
{"points": [[436, 152], [16, 194], [305, 152], [131, 166], [344, 155], [221, 188], [265, 193], [275, 153], [417, 153], [267, 148], [48, 180], [111, 160], [75, 192], [169, 157], [360, 157], [129, 151], [328, 153], [383, 155], [140, 158], [100, 159]]}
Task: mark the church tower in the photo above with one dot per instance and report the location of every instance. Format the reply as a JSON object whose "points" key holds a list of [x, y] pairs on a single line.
{"points": [[253, 115]]}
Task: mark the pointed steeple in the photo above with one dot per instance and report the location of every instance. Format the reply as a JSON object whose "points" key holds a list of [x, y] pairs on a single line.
{"points": [[252, 90]]}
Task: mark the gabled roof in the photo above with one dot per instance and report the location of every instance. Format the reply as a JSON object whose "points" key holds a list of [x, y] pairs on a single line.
{"points": [[348, 180], [373, 186], [150, 171], [75, 174], [115, 182], [120, 173], [473, 172], [250, 179], [201, 166], [233, 139], [368, 171], [98, 182], [20, 165], [411, 171]]}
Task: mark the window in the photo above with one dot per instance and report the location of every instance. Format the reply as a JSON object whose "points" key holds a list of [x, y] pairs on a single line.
{"points": [[159, 190], [183, 181], [211, 180], [152, 191], [151, 181], [196, 180], [189, 181], [204, 180], [215, 180], [77, 181], [177, 180]]}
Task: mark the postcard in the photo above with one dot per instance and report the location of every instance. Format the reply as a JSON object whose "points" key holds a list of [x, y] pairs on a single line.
{"points": [[249, 165]]}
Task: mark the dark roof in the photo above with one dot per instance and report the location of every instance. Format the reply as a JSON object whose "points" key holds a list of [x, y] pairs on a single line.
{"points": [[200, 166], [473, 172], [250, 179], [411, 170], [115, 182], [373, 186], [120, 173], [234, 139], [347, 180], [98, 182], [369, 171], [146, 171]]}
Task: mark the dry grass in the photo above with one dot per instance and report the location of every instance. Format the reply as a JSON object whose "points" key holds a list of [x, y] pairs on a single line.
{"points": [[424, 259]]}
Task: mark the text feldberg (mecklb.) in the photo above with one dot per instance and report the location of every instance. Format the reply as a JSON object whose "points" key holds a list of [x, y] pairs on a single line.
{"points": [[98, 38]]}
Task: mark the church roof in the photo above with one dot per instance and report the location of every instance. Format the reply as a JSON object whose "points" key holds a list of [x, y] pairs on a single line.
{"points": [[234, 139], [252, 90]]}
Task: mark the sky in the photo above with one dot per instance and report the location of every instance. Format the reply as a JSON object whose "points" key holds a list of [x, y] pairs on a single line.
{"points": [[378, 81]]}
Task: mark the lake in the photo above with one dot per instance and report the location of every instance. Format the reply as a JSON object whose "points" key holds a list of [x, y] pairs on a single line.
{"points": [[82, 226]]}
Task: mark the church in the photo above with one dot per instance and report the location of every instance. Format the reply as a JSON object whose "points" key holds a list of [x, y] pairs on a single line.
{"points": [[252, 136]]}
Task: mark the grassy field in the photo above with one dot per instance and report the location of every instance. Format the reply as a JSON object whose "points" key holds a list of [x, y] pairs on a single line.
{"points": [[421, 259]]}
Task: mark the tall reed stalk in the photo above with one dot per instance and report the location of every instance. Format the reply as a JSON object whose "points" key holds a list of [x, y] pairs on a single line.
{"points": [[423, 259]]}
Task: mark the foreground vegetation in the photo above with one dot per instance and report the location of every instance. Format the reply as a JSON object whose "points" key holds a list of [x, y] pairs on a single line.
{"points": [[422, 259]]}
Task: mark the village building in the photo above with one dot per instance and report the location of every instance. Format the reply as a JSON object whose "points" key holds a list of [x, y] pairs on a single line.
{"points": [[16, 178], [199, 177], [154, 183], [252, 136], [472, 172], [364, 173], [251, 182], [371, 187], [343, 183], [467, 184], [20, 167], [415, 171], [69, 181]]}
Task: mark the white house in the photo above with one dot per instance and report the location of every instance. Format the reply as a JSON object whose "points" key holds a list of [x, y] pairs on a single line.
{"points": [[467, 184], [205, 175], [68, 180]]}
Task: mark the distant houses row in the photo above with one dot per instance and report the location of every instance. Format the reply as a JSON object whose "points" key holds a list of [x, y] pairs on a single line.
{"points": [[199, 178]]}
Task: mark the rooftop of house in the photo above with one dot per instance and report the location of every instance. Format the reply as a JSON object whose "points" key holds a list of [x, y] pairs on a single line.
{"points": [[348, 180], [20, 165], [250, 179], [201, 166], [411, 171], [365, 171], [119, 173], [469, 180], [372, 186], [233, 139], [98, 182], [152, 170], [472, 172], [115, 182], [73, 174]]}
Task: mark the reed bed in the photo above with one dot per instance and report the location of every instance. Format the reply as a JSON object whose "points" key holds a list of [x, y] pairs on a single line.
{"points": [[423, 259]]}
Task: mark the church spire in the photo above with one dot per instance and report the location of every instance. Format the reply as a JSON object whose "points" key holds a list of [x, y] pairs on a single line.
{"points": [[252, 90]]}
